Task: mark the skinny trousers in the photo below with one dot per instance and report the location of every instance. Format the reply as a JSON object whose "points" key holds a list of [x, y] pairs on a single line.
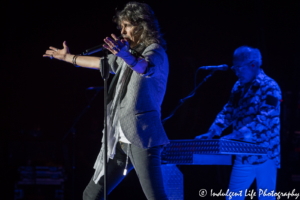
{"points": [[147, 164]]}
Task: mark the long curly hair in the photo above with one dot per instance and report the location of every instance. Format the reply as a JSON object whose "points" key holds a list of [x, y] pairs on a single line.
{"points": [[141, 14]]}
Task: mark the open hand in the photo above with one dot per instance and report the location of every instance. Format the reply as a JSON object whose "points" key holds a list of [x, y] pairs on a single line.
{"points": [[56, 53], [116, 46]]}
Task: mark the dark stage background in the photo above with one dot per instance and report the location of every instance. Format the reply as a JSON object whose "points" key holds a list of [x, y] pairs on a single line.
{"points": [[41, 97]]}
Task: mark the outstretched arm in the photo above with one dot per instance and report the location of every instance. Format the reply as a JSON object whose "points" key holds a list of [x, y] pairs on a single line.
{"points": [[65, 55], [117, 47]]}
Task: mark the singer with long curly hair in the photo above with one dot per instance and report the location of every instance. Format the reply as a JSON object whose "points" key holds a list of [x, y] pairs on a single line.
{"points": [[135, 132]]}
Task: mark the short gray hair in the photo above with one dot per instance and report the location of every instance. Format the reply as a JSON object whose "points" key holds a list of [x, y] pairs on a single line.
{"points": [[247, 53]]}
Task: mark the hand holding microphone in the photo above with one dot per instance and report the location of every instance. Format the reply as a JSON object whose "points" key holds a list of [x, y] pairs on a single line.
{"points": [[117, 46]]}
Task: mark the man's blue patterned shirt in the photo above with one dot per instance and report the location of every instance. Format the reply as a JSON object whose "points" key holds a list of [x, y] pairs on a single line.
{"points": [[254, 115]]}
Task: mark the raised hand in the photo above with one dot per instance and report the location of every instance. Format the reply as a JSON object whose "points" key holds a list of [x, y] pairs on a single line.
{"points": [[56, 53], [116, 46]]}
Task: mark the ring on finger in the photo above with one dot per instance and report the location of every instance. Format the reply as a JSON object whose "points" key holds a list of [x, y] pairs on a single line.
{"points": [[51, 56], [56, 49]]}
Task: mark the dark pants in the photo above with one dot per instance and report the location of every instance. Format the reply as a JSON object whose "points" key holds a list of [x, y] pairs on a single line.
{"points": [[146, 163]]}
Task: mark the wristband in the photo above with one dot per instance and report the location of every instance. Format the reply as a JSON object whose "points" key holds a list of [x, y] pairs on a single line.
{"points": [[134, 63]]}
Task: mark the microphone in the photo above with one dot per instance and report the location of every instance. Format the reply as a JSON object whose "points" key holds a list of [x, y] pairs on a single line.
{"points": [[96, 48], [95, 88], [223, 67]]}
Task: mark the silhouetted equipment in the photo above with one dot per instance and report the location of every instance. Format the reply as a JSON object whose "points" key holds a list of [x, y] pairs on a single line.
{"points": [[40, 181]]}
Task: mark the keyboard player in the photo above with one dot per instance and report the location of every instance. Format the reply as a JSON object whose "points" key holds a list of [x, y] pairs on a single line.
{"points": [[253, 109]]}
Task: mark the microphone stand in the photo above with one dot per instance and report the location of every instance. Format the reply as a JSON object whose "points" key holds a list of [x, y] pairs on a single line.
{"points": [[73, 131], [104, 71], [189, 96]]}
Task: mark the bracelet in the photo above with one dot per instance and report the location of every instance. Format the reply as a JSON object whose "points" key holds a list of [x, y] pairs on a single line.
{"points": [[74, 60]]}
